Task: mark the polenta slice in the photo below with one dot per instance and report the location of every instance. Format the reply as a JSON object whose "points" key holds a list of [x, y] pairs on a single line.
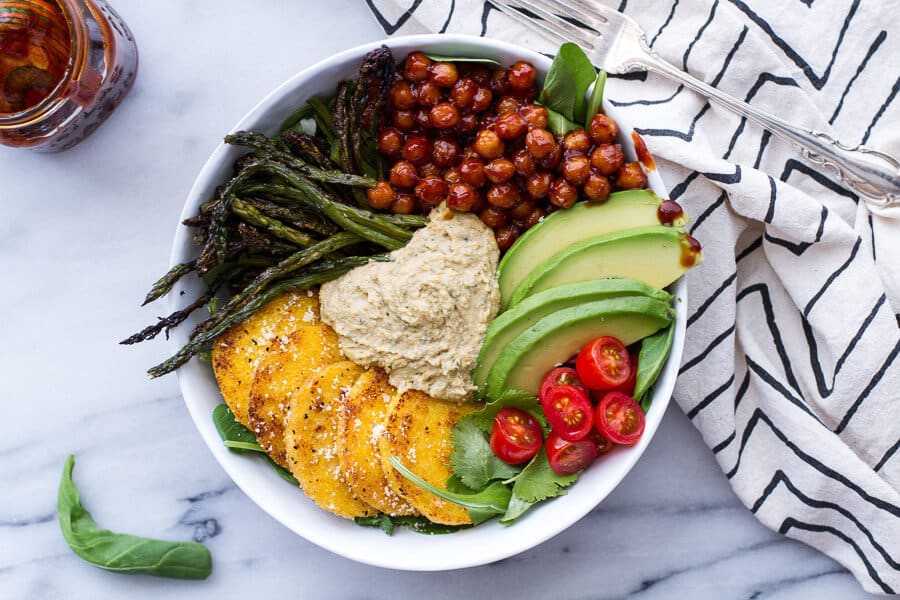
{"points": [[365, 413], [311, 439], [279, 376], [418, 432], [237, 352]]}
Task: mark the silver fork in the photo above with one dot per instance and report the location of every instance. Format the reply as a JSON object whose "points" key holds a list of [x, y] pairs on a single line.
{"points": [[616, 43]]}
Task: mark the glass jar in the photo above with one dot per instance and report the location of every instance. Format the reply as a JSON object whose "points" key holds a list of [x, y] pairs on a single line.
{"points": [[64, 66]]}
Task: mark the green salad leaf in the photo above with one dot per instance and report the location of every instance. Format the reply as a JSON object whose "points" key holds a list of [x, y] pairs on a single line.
{"points": [[652, 357], [466, 59], [238, 438], [472, 460], [536, 482], [560, 125], [567, 82], [596, 100], [508, 399], [421, 525], [120, 552]]}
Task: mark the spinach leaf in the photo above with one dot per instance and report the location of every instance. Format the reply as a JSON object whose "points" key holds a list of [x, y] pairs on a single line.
{"points": [[567, 82], [652, 358], [466, 59], [508, 399], [238, 438], [535, 483], [596, 100], [120, 552], [481, 506], [560, 125], [472, 460], [646, 399], [417, 524]]}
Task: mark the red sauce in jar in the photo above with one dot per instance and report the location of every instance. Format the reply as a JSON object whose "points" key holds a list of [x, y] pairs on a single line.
{"points": [[643, 155], [668, 212], [690, 249]]}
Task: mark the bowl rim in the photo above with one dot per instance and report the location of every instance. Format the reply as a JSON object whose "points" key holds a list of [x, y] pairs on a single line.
{"points": [[530, 532]]}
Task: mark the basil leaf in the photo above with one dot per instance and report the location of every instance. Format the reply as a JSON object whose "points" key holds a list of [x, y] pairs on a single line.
{"points": [[238, 438], [567, 82], [466, 59], [560, 125], [124, 553], [652, 358], [596, 101]]}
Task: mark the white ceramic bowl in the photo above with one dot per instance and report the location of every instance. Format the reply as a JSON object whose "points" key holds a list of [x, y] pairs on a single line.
{"points": [[405, 549]]}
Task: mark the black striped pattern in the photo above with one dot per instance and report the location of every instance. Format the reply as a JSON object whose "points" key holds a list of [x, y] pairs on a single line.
{"points": [[790, 370]]}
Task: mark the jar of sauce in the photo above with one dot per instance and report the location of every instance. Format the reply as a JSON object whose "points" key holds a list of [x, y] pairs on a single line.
{"points": [[64, 66]]}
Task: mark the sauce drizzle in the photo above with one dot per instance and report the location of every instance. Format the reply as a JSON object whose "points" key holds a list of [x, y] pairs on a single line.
{"points": [[668, 212], [643, 155], [690, 249]]}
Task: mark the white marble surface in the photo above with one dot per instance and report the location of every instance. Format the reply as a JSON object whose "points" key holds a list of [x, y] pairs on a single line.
{"points": [[82, 234]]}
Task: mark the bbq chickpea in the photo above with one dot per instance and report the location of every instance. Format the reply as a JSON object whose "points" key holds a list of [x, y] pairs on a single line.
{"points": [[402, 96], [540, 142], [482, 99], [416, 67], [576, 169], [631, 177], [500, 170], [577, 141], [608, 158], [523, 162], [510, 126], [478, 73], [467, 123], [428, 94], [521, 210], [452, 175], [417, 149], [463, 93], [429, 170], [494, 217], [444, 116], [445, 152], [431, 190], [552, 159], [504, 195], [533, 218], [403, 119], [506, 236], [538, 184], [507, 105], [471, 170], [488, 144], [403, 174], [381, 196], [563, 194], [535, 115], [603, 130], [404, 204], [521, 76], [596, 189], [443, 74], [499, 82], [390, 141], [462, 197]]}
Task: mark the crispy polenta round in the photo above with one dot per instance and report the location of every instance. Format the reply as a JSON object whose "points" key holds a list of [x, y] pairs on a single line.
{"points": [[418, 432], [365, 411], [237, 352], [279, 375], [311, 439]]}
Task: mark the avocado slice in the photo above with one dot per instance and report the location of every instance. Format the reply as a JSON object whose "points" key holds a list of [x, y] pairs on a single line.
{"points": [[656, 255], [527, 359], [623, 210], [517, 319]]}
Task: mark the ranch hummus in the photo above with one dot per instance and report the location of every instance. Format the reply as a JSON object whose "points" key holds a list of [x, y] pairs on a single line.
{"points": [[421, 316]]}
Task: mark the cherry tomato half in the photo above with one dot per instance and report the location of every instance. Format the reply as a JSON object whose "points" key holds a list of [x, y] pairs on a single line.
{"points": [[603, 364], [602, 442], [516, 436], [560, 376], [627, 387], [567, 457], [568, 411], [619, 418]]}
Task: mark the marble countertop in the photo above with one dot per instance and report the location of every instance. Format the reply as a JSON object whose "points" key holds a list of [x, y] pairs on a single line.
{"points": [[83, 233]]}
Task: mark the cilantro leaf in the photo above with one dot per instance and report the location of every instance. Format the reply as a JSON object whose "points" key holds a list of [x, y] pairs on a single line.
{"points": [[538, 481], [472, 460]]}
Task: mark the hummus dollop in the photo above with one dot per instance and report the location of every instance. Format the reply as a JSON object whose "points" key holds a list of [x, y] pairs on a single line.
{"points": [[422, 315]]}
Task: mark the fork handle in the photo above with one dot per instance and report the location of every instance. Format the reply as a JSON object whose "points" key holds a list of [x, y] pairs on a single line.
{"points": [[872, 174]]}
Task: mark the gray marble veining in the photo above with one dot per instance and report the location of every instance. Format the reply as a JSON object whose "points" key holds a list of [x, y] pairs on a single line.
{"points": [[81, 236]]}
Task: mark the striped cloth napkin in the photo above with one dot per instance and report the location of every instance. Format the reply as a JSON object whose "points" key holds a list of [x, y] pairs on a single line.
{"points": [[790, 371]]}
